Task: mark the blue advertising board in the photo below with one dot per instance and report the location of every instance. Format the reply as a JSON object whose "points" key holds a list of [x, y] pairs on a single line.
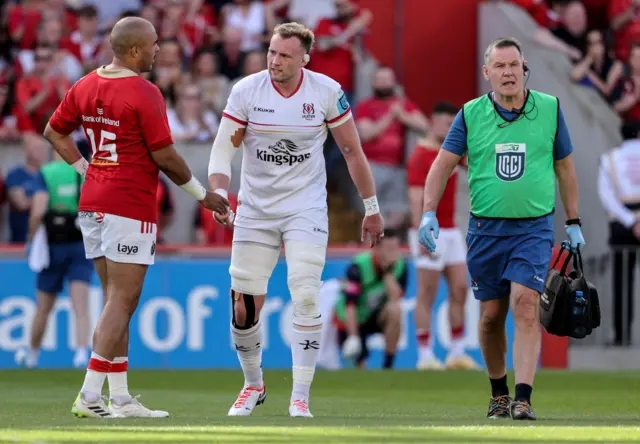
{"points": [[183, 318]]}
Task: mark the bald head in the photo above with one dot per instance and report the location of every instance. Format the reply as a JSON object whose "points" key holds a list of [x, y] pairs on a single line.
{"points": [[135, 43], [130, 32]]}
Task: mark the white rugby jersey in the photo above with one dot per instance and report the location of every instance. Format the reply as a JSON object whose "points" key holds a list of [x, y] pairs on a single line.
{"points": [[283, 169]]}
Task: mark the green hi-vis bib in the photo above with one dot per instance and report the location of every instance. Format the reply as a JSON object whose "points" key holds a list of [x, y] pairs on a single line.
{"points": [[511, 174], [373, 294], [62, 184]]}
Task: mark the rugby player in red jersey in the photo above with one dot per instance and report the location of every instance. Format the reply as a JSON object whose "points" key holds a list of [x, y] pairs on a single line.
{"points": [[124, 118], [450, 259]]}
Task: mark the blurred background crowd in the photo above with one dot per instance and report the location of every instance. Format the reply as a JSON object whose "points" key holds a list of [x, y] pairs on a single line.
{"points": [[208, 45]]}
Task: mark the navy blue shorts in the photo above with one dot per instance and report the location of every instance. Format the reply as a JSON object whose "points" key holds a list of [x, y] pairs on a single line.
{"points": [[495, 261], [65, 261]]}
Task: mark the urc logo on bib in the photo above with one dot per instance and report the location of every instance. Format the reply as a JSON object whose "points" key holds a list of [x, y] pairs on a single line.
{"points": [[510, 161], [284, 153]]}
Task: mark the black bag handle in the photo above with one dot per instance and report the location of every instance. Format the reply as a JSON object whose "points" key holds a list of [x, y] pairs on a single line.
{"points": [[577, 261], [565, 246]]}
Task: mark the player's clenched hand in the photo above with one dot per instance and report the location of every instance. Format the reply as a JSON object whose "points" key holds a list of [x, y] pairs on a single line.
{"points": [[225, 219], [215, 202], [372, 228]]}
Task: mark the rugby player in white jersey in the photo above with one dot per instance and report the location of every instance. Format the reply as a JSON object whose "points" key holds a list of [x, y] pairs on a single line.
{"points": [[282, 115]]}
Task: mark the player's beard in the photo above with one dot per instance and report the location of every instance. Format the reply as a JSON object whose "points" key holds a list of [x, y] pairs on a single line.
{"points": [[281, 78]]}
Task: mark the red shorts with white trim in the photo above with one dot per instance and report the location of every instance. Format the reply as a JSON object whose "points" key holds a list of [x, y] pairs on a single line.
{"points": [[118, 238]]}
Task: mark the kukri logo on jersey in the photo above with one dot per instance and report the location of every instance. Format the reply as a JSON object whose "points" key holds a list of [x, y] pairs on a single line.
{"points": [[283, 152]]}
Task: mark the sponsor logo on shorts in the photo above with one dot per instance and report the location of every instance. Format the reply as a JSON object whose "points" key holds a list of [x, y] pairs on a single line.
{"points": [[510, 161], [319, 230], [85, 214], [283, 152], [538, 278], [474, 285], [153, 248], [127, 249], [308, 111], [259, 109]]}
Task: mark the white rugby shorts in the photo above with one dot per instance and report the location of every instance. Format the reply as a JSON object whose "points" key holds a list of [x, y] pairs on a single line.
{"points": [[310, 226], [118, 238], [450, 250]]}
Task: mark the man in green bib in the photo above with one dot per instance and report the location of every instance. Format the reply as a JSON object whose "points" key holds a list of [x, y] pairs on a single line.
{"points": [[369, 302], [55, 206], [517, 144]]}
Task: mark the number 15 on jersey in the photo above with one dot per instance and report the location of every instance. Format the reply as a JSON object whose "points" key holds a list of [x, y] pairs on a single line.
{"points": [[104, 146]]}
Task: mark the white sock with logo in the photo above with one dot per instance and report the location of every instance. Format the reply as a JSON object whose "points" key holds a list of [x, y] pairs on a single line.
{"points": [[305, 348], [248, 345]]}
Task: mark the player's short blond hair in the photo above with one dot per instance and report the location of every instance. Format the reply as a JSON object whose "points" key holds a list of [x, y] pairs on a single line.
{"points": [[301, 32]]}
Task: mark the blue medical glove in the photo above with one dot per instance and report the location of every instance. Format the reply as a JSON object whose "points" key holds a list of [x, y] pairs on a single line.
{"points": [[428, 225], [575, 237]]}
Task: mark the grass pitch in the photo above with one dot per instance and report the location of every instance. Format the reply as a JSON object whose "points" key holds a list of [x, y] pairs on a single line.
{"points": [[349, 407]]}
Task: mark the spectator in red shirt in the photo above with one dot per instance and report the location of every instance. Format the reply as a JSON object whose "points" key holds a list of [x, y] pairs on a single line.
{"points": [[84, 43], [333, 53], [40, 92], [382, 123], [629, 104], [23, 23], [13, 120], [624, 17]]}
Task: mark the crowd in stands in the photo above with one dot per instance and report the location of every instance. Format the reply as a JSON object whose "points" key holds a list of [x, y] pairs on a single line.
{"points": [[601, 38], [206, 46]]}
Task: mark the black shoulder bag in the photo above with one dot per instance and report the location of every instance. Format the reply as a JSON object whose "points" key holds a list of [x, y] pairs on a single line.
{"points": [[570, 305]]}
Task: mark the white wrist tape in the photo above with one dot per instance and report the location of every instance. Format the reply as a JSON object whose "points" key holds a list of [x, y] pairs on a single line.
{"points": [[81, 166], [195, 188], [223, 150], [222, 192], [371, 206]]}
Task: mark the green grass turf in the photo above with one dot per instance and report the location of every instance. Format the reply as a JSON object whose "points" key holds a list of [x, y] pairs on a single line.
{"points": [[349, 407]]}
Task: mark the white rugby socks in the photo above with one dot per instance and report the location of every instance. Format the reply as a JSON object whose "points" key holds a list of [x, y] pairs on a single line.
{"points": [[95, 377], [248, 345], [305, 348], [118, 387]]}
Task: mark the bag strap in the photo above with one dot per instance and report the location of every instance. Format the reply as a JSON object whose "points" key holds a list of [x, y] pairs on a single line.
{"points": [[565, 246], [577, 261]]}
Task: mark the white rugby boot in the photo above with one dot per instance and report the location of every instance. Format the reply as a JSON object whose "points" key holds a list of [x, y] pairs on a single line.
{"points": [[299, 408], [134, 409], [430, 363], [26, 358], [461, 361], [248, 399], [91, 409]]}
